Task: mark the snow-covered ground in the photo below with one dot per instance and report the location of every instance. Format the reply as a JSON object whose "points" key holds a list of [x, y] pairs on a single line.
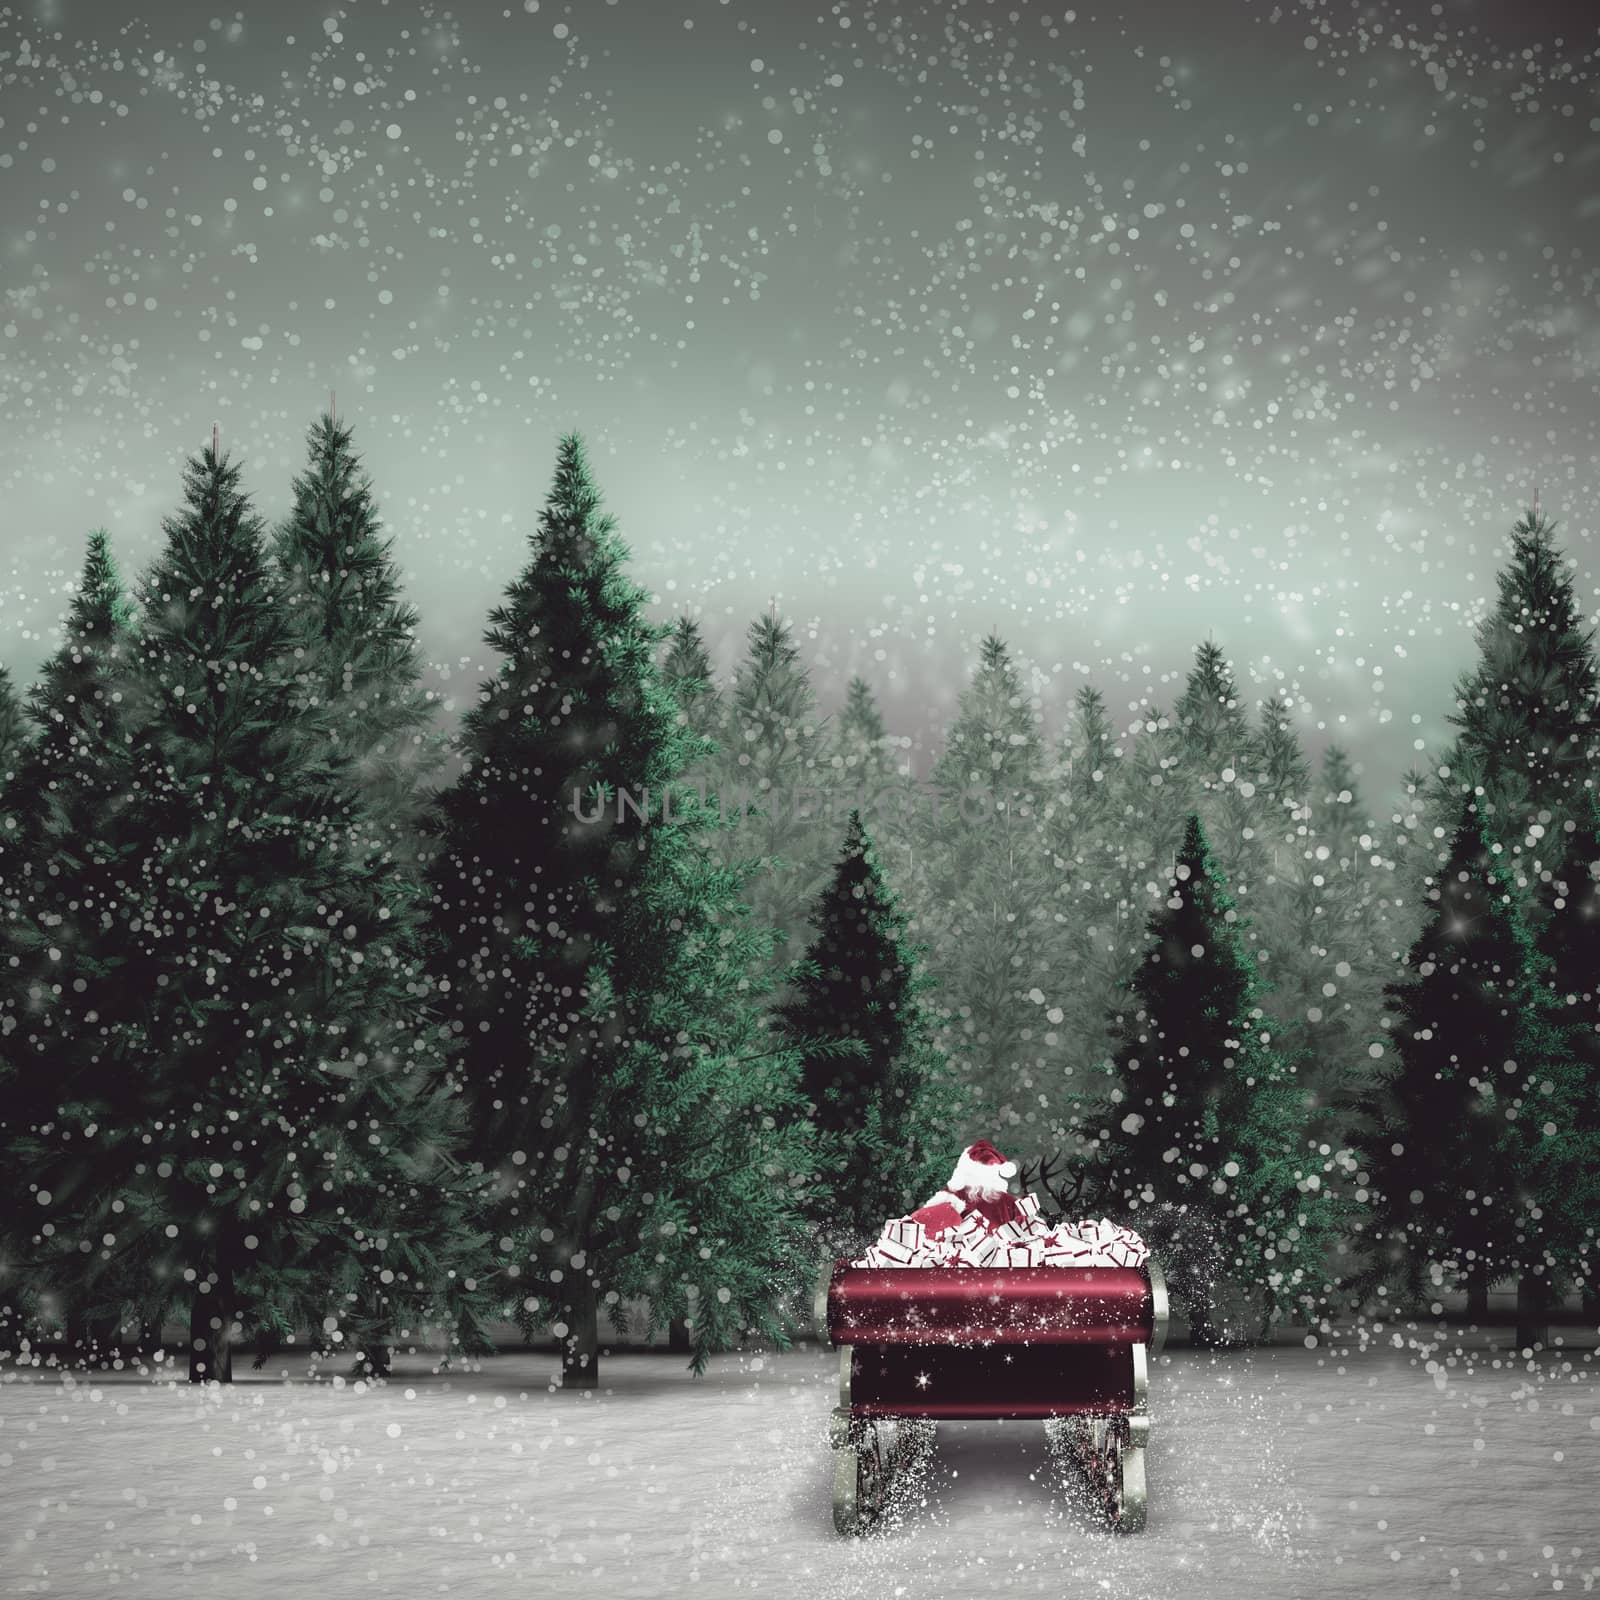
{"points": [[1282, 1472]]}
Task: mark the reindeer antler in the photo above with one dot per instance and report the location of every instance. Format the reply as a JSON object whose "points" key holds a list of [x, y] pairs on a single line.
{"points": [[1042, 1174]]}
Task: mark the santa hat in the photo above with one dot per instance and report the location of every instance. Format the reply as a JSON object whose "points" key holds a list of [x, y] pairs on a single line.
{"points": [[982, 1167]]}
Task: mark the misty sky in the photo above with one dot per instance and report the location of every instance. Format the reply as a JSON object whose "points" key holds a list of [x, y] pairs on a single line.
{"points": [[1104, 327]]}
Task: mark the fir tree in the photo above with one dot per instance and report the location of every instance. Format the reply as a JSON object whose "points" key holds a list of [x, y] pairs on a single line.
{"points": [[1569, 943], [1084, 846], [1177, 1035], [642, 1132], [686, 669], [994, 745], [1221, 755], [1456, 1152], [348, 616], [1157, 795], [772, 775], [1424, 823], [984, 901], [1202, 758], [883, 1115], [14, 730], [352, 636], [1527, 713], [1285, 773], [255, 1116], [59, 939], [1210, 714], [863, 741], [1202, 1113], [1340, 808], [1092, 755], [1298, 920]]}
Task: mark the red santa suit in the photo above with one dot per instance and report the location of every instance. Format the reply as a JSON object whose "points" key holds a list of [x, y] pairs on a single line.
{"points": [[979, 1184]]}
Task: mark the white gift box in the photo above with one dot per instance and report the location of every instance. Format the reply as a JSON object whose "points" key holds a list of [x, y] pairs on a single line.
{"points": [[1024, 1242], [986, 1252]]}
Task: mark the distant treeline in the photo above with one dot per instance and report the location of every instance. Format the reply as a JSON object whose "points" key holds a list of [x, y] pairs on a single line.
{"points": [[676, 983]]}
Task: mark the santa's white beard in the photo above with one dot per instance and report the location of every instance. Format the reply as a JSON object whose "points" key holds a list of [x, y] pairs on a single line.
{"points": [[974, 1175]]}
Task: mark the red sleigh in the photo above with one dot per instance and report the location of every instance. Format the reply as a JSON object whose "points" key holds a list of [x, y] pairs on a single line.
{"points": [[1066, 1346]]}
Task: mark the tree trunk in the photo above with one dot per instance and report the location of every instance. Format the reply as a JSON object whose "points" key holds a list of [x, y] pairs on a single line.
{"points": [[1478, 1294], [580, 1345], [373, 1360], [1591, 1304], [99, 1340], [1533, 1313], [75, 1335], [678, 1341], [210, 1323]]}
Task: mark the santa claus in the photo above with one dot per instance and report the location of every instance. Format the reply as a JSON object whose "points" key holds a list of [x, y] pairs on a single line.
{"points": [[980, 1183]]}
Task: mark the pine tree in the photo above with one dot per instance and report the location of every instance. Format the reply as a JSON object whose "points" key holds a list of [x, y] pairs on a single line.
{"points": [[353, 637], [1296, 916], [994, 745], [1157, 794], [1084, 845], [336, 575], [1341, 810], [863, 741], [984, 904], [1177, 1035], [1210, 714], [256, 1117], [1202, 1110], [1424, 824], [1529, 713], [14, 731], [687, 671], [641, 1129], [1092, 756], [1470, 1030], [1220, 756], [883, 1116], [1203, 757], [1285, 773], [772, 774], [1569, 942], [59, 941]]}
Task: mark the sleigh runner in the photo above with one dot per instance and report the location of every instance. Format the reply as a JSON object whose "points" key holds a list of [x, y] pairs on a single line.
{"points": [[1068, 1347]]}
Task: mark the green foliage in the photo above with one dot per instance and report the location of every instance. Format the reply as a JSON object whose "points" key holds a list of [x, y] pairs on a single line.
{"points": [[1526, 713], [1098, 938], [863, 741], [249, 1104], [351, 635], [14, 730], [984, 903], [884, 1114], [686, 670], [354, 633], [1479, 1110], [61, 943], [993, 746], [644, 1135], [1339, 800], [773, 776], [1203, 1111], [1316, 932], [1285, 774], [1221, 758], [1569, 945]]}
